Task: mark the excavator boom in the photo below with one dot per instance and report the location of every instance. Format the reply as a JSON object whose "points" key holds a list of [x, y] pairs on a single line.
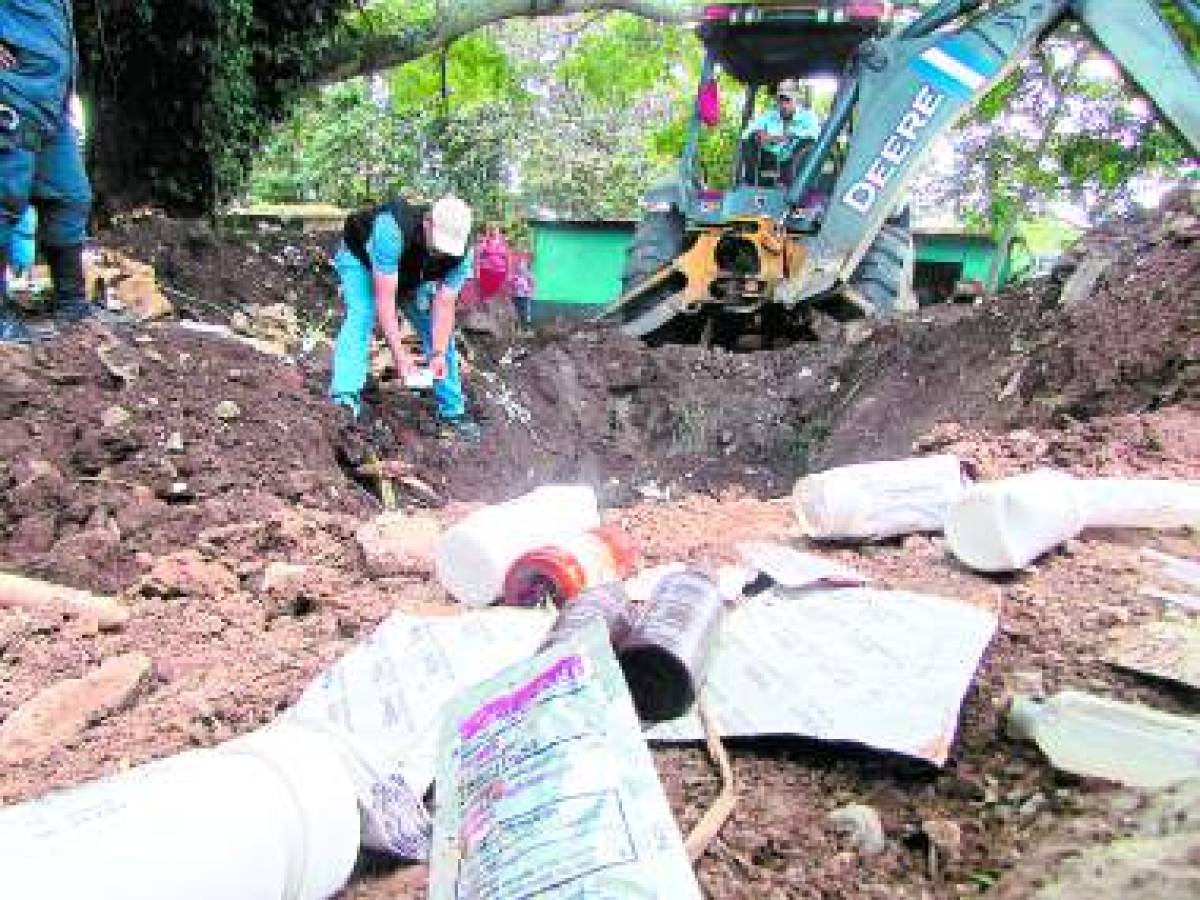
{"points": [[915, 85]]}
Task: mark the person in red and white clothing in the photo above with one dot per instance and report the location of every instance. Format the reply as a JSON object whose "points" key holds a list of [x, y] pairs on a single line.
{"points": [[491, 263], [521, 286]]}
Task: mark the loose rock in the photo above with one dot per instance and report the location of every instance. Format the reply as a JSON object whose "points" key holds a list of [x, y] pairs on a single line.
{"points": [[64, 710]]}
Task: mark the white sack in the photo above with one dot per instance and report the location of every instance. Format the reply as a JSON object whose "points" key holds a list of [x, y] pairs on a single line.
{"points": [[879, 499]]}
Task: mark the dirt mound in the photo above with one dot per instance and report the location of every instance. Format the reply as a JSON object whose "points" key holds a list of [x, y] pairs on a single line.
{"points": [[97, 468]]}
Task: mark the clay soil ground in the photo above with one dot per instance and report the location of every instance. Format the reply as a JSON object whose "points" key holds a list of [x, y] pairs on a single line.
{"points": [[212, 488]]}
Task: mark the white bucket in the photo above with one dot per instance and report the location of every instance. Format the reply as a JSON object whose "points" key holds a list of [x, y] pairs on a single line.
{"points": [[879, 499], [474, 555], [270, 816], [1000, 526]]}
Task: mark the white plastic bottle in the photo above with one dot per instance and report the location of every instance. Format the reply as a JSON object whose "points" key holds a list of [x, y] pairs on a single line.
{"points": [[474, 555], [269, 816], [1102, 738]]}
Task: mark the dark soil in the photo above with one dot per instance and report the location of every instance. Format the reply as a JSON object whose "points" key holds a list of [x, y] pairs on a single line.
{"points": [[181, 503]]}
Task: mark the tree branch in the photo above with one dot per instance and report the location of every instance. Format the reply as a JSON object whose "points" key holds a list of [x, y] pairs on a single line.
{"points": [[376, 52]]}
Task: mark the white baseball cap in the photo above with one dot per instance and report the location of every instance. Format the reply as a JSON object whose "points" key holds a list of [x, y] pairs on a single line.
{"points": [[450, 226]]}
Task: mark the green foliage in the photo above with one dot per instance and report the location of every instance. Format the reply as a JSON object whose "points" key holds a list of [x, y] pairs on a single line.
{"points": [[1022, 150], [624, 57], [342, 148], [183, 92], [478, 71]]}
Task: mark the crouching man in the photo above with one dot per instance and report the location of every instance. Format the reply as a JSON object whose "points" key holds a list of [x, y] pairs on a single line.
{"points": [[401, 257]]}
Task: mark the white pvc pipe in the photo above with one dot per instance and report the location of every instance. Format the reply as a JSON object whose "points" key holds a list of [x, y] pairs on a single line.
{"points": [[270, 816], [1139, 502]]}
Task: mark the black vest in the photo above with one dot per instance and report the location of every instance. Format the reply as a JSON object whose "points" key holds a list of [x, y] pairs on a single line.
{"points": [[417, 265]]}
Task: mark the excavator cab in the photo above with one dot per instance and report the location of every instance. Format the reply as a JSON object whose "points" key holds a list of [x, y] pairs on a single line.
{"points": [[754, 256]]}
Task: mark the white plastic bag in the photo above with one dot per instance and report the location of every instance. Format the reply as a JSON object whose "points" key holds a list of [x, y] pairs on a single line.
{"points": [[1004, 525], [546, 788], [1139, 502], [880, 499]]}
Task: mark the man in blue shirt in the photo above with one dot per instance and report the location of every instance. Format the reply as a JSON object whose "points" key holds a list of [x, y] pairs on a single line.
{"points": [[780, 132], [40, 159], [399, 253]]}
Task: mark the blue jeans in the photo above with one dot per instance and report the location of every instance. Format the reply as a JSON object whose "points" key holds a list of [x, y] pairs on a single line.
{"points": [[352, 349], [55, 180]]}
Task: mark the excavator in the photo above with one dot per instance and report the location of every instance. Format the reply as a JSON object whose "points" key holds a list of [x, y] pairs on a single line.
{"points": [[710, 265]]}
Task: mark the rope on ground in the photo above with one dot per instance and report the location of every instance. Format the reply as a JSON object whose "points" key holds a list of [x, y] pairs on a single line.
{"points": [[714, 819]]}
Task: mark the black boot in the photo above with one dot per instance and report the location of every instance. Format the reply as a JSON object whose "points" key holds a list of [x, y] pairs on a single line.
{"points": [[70, 290], [12, 329]]}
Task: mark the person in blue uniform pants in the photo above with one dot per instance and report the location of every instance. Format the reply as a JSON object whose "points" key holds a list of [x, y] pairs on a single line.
{"points": [[40, 157], [412, 259]]}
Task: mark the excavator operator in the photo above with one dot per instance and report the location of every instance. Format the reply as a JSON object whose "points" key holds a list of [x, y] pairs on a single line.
{"points": [[774, 142]]}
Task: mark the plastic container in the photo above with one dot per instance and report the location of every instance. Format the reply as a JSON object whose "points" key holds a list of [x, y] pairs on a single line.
{"points": [[666, 657], [1102, 738], [1000, 526], [271, 815], [559, 572], [880, 499], [473, 556], [607, 602]]}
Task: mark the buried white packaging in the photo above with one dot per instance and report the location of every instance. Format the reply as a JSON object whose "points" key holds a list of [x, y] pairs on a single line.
{"points": [[869, 501], [1001, 526], [474, 555], [268, 816]]}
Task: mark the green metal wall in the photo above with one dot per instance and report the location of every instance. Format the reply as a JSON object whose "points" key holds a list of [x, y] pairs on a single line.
{"points": [[973, 252], [578, 264]]}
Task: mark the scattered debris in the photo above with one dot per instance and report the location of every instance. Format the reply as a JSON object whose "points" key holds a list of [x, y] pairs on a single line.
{"points": [[40, 596], [120, 361], [790, 568], [398, 544], [779, 669], [945, 843], [114, 417], [587, 826]]}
